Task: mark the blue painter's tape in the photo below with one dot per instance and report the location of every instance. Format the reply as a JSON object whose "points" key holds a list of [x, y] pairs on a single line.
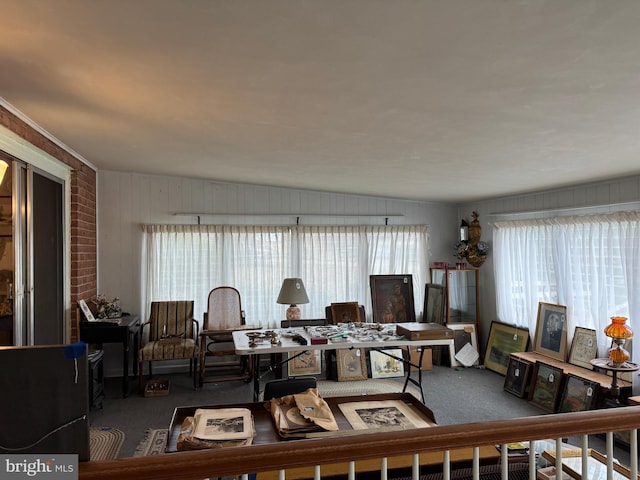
{"points": [[75, 350]]}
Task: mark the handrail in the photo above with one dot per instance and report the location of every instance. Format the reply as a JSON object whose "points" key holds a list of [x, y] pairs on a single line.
{"points": [[195, 465]]}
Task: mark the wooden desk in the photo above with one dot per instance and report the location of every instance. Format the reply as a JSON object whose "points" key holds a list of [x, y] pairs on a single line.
{"points": [[286, 344], [125, 332]]}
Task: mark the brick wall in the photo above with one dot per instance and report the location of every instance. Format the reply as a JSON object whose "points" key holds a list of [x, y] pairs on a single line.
{"points": [[84, 271]]}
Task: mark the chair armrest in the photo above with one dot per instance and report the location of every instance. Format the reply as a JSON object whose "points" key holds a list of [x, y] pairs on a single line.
{"points": [[197, 328]]}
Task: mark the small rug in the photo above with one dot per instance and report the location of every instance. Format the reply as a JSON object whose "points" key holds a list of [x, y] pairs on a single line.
{"points": [[153, 443], [329, 388], [104, 443]]}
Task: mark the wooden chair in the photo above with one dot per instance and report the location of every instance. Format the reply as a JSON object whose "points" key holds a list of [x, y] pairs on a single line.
{"points": [[224, 315], [173, 335]]}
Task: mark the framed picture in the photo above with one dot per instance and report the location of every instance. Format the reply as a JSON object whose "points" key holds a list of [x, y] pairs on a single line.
{"points": [[551, 331], [345, 312], [86, 311], [503, 341], [578, 394], [517, 378], [351, 364], [392, 298], [434, 304], [304, 362], [546, 386], [464, 333], [584, 347], [386, 363]]}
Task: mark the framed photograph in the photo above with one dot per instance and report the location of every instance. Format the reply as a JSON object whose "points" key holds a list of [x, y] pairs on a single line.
{"points": [[351, 363], [392, 298], [503, 341], [551, 331], [584, 347], [578, 394], [86, 311], [546, 386], [517, 378], [345, 312], [464, 333], [434, 304], [307, 363], [386, 363]]}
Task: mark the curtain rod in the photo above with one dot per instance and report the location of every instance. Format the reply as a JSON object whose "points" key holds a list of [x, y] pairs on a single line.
{"points": [[298, 215], [635, 204]]}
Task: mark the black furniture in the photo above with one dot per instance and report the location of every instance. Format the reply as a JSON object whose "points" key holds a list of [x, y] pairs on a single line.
{"points": [[96, 378], [126, 332], [288, 386]]}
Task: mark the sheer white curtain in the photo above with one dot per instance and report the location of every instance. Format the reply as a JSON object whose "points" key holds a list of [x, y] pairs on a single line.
{"points": [[187, 261], [591, 264]]}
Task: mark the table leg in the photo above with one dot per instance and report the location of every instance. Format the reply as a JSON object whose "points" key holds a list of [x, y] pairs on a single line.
{"points": [[408, 378], [125, 366], [256, 377]]}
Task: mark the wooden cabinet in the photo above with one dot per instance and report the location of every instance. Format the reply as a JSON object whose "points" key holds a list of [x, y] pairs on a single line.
{"points": [[461, 287]]}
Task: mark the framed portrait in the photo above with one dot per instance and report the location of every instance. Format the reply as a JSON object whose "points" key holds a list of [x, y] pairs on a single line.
{"points": [[434, 304], [584, 347], [304, 362], [546, 386], [345, 312], [386, 363], [551, 331], [464, 333], [392, 298], [352, 364], [517, 378], [578, 394], [504, 340]]}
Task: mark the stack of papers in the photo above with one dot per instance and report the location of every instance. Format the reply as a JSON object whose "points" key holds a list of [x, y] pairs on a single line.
{"points": [[217, 428]]}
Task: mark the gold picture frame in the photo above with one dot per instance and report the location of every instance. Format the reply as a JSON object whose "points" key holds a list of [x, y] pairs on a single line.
{"points": [[386, 365], [345, 312], [503, 341], [584, 347], [304, 362], [352, 364]]}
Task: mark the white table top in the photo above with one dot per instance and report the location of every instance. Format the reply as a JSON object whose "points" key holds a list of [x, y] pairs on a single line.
{"points": [[366, 337]]}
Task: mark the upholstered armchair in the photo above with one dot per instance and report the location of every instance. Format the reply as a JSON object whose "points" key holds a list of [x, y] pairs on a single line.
{"points": [[172, 335]]}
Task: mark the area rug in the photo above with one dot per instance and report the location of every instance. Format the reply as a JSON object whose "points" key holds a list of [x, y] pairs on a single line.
{"points": [[329, 388], [104, 443], [153, 443]]}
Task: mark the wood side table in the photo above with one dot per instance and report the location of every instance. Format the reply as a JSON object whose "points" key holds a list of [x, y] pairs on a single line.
{"points": [[603, 363]]}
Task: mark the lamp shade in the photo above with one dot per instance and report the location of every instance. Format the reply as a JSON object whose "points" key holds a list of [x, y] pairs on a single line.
{"points": [[292, 292], [618, 328]]}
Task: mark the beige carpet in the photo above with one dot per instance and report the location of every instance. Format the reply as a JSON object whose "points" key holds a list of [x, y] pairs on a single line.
{"points": [[154, 441], [104, 443]]}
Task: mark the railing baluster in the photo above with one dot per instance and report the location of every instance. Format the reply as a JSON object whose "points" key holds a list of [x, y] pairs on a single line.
{"points": [[383, 468], [281, 474], [415, 467], [585, 453], [504, 462], [316, 473], [633, 453], [446, 465], [609, 448], [532, 459], [352, 471], [476, 463]]}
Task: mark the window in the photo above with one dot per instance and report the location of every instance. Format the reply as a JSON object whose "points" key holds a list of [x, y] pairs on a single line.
{"points": [[187, 261], [591, 264]]}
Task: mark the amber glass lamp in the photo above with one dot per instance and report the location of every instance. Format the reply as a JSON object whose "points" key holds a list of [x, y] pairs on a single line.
{"points": [[619, 332]]}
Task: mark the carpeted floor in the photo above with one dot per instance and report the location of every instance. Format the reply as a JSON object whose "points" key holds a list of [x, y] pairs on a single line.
{"points": [[105, 442]]}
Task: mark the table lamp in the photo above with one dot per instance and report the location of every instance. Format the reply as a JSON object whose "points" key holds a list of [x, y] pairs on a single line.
{"points": [[618, 331], [293, 293]]}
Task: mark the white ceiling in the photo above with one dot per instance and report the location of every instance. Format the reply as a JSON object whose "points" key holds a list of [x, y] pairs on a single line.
{"points": [[443, 100]]}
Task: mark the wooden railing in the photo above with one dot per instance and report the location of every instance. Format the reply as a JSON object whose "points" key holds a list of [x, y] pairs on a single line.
{"points": [[198, 465]]}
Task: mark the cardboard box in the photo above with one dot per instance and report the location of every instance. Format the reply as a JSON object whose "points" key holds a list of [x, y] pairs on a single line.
{"points": [[427, 358], [424, 331]]}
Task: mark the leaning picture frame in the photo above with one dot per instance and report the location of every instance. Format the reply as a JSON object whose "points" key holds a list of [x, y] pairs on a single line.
{"points": [[304, 362], [584, 347], [434, 304], [463, 333], [516, 380], [551, 331], [504, 339], [578, 394], [392, 298], [351, 364], [345, 312], [386, 365], [546, 385]]}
